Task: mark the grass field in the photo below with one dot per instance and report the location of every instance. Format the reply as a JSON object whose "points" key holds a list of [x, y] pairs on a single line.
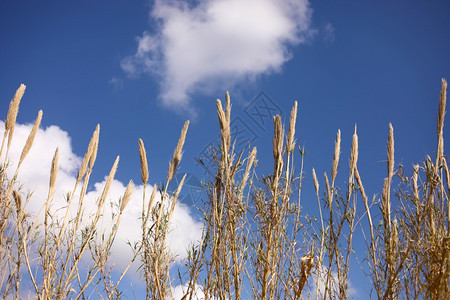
{"points": [[256, 240]]}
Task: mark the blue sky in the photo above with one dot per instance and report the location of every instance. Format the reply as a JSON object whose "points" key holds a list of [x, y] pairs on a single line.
{"points": [[141, 68]]}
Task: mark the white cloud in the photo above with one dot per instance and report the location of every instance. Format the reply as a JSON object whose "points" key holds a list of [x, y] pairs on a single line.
{"points": [[317, 284], [34, 174], [328, 33], [217, 41], [116, 83], [180, 290]]}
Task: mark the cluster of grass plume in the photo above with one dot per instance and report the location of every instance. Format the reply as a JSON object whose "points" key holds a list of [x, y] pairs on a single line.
{"points": [[256, 241], [66, 256]]}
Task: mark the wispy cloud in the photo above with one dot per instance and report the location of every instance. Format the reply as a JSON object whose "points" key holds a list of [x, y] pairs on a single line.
{"points": [[217, 41], [35, 173], [328, 33]]}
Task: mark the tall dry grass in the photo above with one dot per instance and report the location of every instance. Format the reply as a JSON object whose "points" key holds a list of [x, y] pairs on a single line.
{"points": [[256, 243]]}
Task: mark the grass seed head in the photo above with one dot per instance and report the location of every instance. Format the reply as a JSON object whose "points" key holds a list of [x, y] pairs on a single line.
{"points": [[316, 182], [354, 153], [144, 165], [224, 126], [108, 183], [12, 113], [54, 171], [337, 154], [177, 154], [31, 137], [94, 146], [291, 131], [440, 120], [127, 195], [390, 152], [18, 201], [277, 144]]}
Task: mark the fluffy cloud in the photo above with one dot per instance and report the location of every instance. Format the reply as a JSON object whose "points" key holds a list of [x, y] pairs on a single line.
{"points": [[217, 41], [34, 177], [179, 291]]}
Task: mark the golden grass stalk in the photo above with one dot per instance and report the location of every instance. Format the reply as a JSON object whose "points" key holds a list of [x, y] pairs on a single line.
{"points": [[372, 254], [307, 262], [14, 108], [354, 153], [316, 182], [228, 115], [329, 191], [224, 125], [322, 235], [175, 199], [446, 170], [386, 204], [150, 204], [440, 121], [127, 195], [363, 192], [228, 108], [26, 148], [18, 202], [291, 131], [53, 173], [30, 138], [390, 153], [12, 115], [277, 148], [93, 144], [66, 280], [415, 187], [250, 161], [337, 154], [93, 157], [144, 165], [108, 183], [177, 154], [90, 155]]}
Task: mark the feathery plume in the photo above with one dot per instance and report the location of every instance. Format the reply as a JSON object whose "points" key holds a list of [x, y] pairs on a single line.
{"points": [[250, 160], [390, 153], [291, 131], [53, 173], [316, 182], [354, 152], [175, 198], [224, 126], [109, 180], [18, 201], [177, 154], [277, 145], [30, 138], [386, 203], [329, 195], [93, 157], [14, 108], [12, 115], [89, 153], [415, 187], [144, 165], [228, 108], [440, 121], [152, 200], [361, 187], [337, 154], [127, 195]]}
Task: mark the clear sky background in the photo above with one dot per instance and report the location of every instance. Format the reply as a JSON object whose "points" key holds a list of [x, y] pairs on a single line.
{"points": [[142, 68]]}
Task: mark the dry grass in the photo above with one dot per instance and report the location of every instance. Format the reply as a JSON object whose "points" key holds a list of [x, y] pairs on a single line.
{"points": [[256, 240]]}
